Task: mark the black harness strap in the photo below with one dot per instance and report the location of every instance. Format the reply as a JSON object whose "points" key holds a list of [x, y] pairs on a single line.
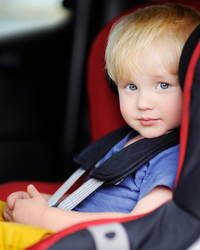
{"points": [[120, 165], [132, 157], [96, 151], [86, 160]]}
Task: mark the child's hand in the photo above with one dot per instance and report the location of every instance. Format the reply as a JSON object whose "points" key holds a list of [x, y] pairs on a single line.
{"points": [[29, 211], [12, 198]]}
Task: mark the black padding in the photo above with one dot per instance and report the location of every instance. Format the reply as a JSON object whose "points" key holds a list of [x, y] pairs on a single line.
{"points": [[127, 160], [187, 194], [95, 151], [167, 228], [187, 53], [132, 157], [81, 240]]}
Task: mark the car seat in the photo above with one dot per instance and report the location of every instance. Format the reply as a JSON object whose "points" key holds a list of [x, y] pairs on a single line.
{"points": [[152, 231]]}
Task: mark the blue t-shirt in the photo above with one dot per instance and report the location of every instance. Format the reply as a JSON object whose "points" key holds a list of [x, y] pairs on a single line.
{"points": [[159, 171]]}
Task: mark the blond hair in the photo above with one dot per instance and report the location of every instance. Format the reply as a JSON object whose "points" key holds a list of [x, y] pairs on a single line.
{"points": [[161, 28]]}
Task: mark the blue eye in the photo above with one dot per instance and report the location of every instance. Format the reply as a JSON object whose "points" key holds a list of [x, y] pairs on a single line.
{"points": [[131, 87], [163, 85]]}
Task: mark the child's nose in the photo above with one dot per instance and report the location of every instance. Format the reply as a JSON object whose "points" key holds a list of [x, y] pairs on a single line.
{"points": [[145, 101]]}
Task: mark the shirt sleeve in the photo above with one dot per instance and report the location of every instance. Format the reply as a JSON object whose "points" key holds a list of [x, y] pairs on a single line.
{"points": [[159, 171]]}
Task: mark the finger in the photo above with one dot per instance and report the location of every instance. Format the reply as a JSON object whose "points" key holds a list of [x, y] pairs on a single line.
{"points": [[11, 200], [16, 202], [17, 195], [7, 210], [6, 216], [32, 191]]}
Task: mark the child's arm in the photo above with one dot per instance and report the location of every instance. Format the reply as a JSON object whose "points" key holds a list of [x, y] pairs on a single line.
{"points": [[36, 212]]}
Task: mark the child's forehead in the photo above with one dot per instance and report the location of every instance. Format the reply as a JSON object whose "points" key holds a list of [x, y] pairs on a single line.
{"points": [[154, 61], [137, 75]]}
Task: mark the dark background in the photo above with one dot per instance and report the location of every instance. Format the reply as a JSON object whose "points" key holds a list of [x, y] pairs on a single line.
{"points": [[43, 102]]}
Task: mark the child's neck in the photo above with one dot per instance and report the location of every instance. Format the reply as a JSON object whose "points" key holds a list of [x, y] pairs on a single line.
{"points": [[137, 138]]}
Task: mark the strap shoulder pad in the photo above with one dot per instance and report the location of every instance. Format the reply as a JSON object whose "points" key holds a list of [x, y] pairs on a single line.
{"points": [[96, 151], [132, 157]]}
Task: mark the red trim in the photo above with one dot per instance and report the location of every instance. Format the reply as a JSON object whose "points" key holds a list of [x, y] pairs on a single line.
{"points": [[48, 242], [186, 108]]}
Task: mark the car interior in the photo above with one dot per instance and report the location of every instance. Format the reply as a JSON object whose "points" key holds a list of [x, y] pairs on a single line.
{"points": [[55, 99]]}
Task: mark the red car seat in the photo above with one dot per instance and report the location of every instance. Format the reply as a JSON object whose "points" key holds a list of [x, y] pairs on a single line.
{"points": [[104, 118]]}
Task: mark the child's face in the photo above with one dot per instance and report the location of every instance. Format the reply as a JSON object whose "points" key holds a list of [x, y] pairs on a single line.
{"points": [[151, 104]]}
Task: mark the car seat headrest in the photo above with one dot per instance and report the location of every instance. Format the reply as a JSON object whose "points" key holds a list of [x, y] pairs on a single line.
{"points": [[187, 53]]}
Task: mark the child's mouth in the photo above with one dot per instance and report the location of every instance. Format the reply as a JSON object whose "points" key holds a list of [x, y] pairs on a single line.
{"points": [[148, 121]]}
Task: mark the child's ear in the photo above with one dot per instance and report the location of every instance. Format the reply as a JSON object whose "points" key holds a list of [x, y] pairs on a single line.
{"points": [[111, 83]]}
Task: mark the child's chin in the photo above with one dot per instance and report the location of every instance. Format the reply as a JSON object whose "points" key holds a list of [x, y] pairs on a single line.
{"points": [[153, 134]]}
